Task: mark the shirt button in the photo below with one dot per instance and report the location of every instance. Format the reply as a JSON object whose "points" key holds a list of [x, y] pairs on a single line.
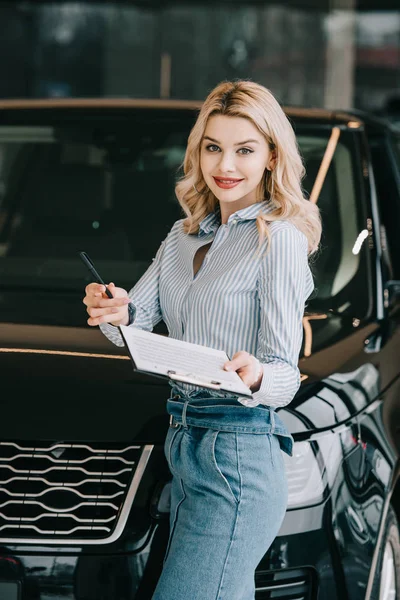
{"points": [[234, 221]]}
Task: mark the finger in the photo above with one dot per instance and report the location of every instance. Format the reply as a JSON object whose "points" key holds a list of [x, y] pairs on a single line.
{"points": [[98, 320], [228, 364], [251, 373], [239, 360], [99, 291], [99, 312], [101, 302], [93, 289], [105, 318], [90, 300], [111, 302], [246, 375]]}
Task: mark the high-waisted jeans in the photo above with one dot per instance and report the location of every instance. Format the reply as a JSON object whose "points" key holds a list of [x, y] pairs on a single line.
{"points": [[228, 495]]}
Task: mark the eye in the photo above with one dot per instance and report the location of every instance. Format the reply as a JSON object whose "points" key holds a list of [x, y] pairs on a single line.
{"points": [[245, 151], [212, 148]]}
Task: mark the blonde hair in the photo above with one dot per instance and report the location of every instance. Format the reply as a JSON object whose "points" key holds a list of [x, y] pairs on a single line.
{"points": [[282, 185]]}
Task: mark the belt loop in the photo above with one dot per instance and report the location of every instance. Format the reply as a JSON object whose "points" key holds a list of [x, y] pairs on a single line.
{"points": [[172, 422], [271, 412], [184, 413]]}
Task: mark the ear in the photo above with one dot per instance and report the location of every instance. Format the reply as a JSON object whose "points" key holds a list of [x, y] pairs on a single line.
{"points": [[271, 164]]}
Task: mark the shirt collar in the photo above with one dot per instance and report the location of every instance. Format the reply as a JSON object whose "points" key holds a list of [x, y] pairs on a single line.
{"points": [[213, 220], [210, 223]]}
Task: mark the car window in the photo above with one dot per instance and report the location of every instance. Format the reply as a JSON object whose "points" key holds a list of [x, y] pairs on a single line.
{"points": [[108, 189], [385, 155], [62, 192], [340, 266]]}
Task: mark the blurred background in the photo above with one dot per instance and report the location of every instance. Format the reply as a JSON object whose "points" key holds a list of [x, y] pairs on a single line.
{"points": [[337, 54]]}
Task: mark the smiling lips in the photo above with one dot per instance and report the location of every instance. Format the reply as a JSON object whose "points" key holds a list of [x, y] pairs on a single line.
{"points": [[226, 183]]}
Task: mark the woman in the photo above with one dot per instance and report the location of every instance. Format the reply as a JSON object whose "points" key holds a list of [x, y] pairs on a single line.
{"points": [[233, 275]]}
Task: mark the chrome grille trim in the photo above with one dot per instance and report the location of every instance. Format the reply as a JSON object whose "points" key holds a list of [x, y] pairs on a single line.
{"points": [[291, 584], [61, 461], [60, 536], [53, 483], [59, 488], [36, 472], [277, 586], [55, 511], [58, 515], [54, 446], [55, 532]]}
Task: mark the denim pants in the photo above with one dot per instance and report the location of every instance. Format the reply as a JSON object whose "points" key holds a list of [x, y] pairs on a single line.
{"points": [[228, 496]]}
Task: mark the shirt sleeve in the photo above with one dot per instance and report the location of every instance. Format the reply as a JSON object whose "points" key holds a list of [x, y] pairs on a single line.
{"points": [[144, 298], [282, 291]]}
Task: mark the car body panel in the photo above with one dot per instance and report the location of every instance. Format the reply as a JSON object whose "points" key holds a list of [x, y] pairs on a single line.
{"points": [[64, 384]]}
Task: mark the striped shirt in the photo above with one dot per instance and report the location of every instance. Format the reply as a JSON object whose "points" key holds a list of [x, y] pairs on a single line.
{"points": [[238, 299]]}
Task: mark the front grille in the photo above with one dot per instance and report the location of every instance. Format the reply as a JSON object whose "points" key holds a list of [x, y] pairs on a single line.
{"points": [[286, 584], [67, 492]]}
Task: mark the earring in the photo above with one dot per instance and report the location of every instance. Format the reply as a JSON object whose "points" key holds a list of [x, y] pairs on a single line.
{"points": [[269, 183]]}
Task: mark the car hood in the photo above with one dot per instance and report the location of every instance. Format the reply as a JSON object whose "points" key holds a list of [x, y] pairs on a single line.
{"points": [[71, 383], [65, 383]]}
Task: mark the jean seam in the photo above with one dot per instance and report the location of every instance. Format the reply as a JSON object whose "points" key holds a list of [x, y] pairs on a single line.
{"points": [[170, 446], [271, 450], [230, 428], [218, 596], [171, 533], [219, 470], [238, 463]]}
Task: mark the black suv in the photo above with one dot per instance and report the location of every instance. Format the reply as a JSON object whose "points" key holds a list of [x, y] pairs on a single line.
{"points": [[84, 484]]}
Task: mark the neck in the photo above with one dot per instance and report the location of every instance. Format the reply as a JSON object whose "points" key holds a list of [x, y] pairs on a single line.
{"points": [[228, 209]]}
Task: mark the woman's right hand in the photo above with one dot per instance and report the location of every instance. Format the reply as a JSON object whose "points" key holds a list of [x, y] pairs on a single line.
{"points": [[102, 309]]}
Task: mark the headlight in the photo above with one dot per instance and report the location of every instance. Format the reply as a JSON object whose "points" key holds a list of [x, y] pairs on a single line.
{"points": [[312, 469]]}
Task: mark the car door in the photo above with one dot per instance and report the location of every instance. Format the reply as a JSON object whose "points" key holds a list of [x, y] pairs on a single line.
{"points": [[346, 338]]}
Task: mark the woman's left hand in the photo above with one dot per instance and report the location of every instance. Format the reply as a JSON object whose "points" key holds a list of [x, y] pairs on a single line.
{"points": [[247, 367]]}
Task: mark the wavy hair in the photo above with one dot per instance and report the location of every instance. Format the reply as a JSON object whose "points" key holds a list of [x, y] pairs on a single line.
{"points": [[282, 185]]}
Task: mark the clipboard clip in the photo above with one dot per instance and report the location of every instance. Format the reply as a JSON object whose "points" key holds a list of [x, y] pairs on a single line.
{"points": [[194, 379]]}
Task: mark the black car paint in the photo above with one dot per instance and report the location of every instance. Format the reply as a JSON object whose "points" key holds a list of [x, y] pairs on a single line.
{"points": [[62, 381]]}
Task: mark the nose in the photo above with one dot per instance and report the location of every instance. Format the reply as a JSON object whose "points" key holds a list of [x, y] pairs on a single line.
{"points": [[227, 162]]}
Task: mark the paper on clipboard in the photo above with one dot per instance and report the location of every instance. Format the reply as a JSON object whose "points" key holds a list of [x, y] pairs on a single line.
{"points": [[181, 361]]}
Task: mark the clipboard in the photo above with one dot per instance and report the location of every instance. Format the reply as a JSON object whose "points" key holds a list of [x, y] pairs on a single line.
{"points": [[161, 356]]}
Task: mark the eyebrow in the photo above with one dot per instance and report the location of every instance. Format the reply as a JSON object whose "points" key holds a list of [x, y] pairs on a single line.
{"points": [[206, 137]]}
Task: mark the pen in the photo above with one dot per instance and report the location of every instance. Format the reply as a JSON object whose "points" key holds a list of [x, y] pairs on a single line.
{"points": [[88, 262]]}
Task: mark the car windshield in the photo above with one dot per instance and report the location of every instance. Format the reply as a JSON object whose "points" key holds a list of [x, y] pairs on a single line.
{"points": [[108, 189]]}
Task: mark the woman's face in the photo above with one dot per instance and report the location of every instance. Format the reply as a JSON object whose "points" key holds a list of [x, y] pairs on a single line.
{"points": [[233, 158]]}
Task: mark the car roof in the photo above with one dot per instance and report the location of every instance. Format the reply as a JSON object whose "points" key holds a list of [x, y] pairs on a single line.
{"points": [[353, 118]]}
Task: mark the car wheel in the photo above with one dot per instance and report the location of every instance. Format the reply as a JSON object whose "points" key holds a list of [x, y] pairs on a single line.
{"points": [[386, 584]]}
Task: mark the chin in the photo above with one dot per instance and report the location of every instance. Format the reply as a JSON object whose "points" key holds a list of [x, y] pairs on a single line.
{"points": [[228, 195]]}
